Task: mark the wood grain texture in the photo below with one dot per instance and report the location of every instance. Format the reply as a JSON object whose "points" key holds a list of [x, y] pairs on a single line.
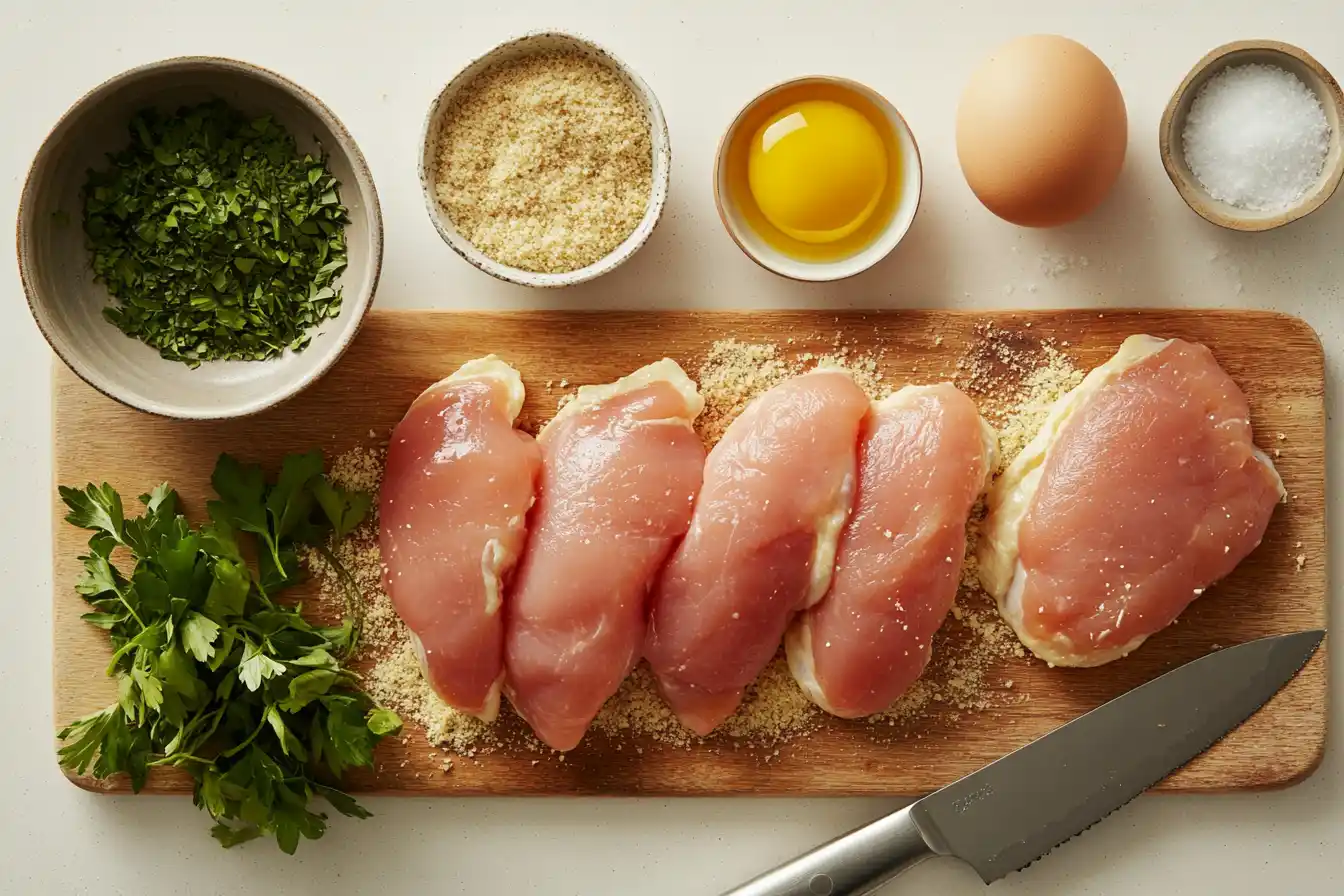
{"points": [[1276, 359]]}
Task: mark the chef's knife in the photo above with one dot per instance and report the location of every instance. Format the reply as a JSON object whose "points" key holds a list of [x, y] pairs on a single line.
{"points": [[1016, 809]]}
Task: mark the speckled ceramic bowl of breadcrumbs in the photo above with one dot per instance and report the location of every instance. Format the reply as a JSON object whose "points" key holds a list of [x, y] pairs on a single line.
{"points": [[613, 244]]}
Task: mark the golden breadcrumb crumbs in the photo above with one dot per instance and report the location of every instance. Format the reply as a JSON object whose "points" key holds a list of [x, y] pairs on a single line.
{"points": [[636, 709], [1014, 378], [545, 162], [732, 374], [773, 710]]}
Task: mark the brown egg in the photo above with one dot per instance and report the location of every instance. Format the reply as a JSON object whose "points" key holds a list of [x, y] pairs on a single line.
{"points": [[1041, 131]]}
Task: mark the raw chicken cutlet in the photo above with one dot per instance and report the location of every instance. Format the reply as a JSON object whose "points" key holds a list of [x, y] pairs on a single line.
{"points": [[621, 469], [777, 490], [925, 456], [1141, 490], [456, 489]]}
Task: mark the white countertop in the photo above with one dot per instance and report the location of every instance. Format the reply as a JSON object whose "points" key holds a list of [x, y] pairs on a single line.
{"points": [[379, 70]]}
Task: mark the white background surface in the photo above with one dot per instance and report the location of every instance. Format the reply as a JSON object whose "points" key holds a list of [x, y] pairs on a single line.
{"points": [[378, 65]]}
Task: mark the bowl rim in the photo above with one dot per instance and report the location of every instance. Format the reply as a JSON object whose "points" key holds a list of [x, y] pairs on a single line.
{"points": [[823, 274], [658, 133], [364, 183], [1192, 193]]}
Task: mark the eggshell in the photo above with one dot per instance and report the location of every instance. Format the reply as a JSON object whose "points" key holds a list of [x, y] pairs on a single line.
{"points": [[1041, 131]]}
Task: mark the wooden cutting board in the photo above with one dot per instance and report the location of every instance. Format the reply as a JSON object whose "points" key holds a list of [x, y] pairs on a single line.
{"points": [[1277, 360]]}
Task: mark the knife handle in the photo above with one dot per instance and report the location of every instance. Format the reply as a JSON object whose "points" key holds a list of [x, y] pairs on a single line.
{"points": [[850, 865]]}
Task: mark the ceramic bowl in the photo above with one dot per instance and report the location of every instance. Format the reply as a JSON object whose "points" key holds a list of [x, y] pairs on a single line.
{"points": [[1267, 52], [545, 42], [758, 250], [54, 262]]}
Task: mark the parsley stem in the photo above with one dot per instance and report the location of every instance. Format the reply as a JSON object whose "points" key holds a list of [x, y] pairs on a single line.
{"points": [[275, 553], [233, 751], [130, 609], [180, 757], [218, 715], [353, 595]]}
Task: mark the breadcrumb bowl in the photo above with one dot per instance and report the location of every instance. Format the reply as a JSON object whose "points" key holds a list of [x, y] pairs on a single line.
{"points": [[549, 42], [1170, 141]]}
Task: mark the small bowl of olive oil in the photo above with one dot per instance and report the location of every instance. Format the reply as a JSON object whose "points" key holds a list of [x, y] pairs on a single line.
{"points": [[818, 178]]}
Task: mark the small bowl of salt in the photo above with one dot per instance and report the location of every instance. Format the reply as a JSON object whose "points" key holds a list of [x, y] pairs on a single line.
{"points": [[1251, 138]]}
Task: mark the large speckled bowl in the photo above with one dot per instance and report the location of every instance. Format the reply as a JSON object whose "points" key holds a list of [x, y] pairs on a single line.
{"points": [[527, 45], [54, 262]]}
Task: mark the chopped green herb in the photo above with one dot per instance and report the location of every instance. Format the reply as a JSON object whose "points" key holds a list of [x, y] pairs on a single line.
{"points": [[214, 676], [216, 238]]}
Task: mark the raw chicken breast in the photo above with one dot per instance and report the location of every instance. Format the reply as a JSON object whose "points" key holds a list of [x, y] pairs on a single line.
{"points": [[621, 469], [1142, 488], [458, 483], [761, 545], [924, 458]]}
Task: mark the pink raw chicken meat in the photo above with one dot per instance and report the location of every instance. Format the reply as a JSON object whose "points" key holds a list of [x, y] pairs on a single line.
{"points": [[456, 489], [1142, 489], [761, 545], [622, 467], [924, 458]]}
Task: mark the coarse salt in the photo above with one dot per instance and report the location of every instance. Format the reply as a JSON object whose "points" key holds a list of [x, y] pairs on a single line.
{"points": [[1256, 137]]}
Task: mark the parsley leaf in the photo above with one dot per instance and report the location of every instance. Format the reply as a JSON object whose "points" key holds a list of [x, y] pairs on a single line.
{"points": [[228, 591], [344, 510], [241, 489], [199, 634], [256, 667], [290, 502], [96, 507]]}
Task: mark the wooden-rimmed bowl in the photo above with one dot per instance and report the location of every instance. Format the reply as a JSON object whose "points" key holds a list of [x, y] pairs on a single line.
{"points": [[527, 45], [55, 266], [1244, 52]]}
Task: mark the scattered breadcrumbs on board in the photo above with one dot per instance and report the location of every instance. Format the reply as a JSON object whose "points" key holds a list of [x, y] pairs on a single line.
{"points": [[1014, 377]]}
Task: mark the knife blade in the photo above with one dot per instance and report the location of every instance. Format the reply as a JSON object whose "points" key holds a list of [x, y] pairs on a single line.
{"points": [[1016, 809]]}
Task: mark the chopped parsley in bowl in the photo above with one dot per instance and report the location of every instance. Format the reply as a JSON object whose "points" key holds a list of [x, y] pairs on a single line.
{"points": [[218, 215], [217, 238]]}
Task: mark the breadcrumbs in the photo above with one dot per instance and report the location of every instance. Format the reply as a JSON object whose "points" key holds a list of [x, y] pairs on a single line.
{"points": [[733, 373], [1015, 378], [545, 162]]}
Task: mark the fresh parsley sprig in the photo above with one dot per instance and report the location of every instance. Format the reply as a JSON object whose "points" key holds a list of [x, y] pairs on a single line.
{"points": [[215, 676]]}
